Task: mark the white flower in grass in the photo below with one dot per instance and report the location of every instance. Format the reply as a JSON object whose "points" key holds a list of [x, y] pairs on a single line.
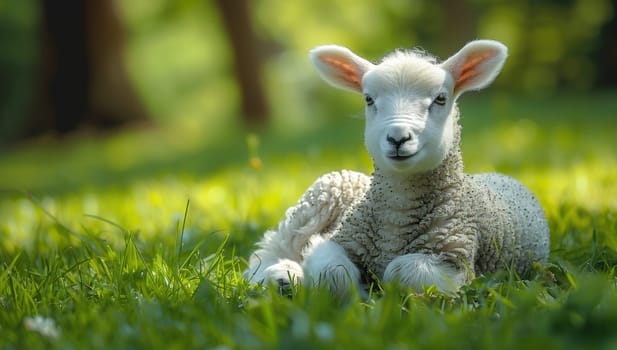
{"points": [[43, 325]]}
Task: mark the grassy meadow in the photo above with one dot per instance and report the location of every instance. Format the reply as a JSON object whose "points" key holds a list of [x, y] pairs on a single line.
{"points": [[137, 240]]}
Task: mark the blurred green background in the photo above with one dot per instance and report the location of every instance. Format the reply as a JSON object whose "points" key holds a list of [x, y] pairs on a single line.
{"points": [[183, 71]]}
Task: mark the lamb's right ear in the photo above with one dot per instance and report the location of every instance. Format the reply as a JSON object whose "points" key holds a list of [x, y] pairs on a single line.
{"points": [[340, 67]]}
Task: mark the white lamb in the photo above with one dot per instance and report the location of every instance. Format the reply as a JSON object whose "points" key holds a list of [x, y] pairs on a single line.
{"points": [[418, 219]]}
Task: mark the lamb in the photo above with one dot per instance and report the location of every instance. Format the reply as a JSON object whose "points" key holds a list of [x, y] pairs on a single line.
{"points": [[418, 220]]}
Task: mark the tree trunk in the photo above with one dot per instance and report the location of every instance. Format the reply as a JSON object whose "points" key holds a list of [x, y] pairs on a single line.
{"points": [[248, 61], [460, 25], [605, 56], [82, 78]]}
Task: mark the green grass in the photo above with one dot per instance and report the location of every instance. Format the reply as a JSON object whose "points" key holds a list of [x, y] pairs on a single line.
{"points": [[138, 240]]}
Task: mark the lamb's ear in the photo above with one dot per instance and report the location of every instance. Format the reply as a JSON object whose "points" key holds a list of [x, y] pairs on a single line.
{"points": [[476, 65], [340, 67]]}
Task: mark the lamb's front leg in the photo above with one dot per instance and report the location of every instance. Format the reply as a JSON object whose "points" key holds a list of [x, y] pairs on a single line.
{"points": [[422, 270], [327, 264], [267, 266]]}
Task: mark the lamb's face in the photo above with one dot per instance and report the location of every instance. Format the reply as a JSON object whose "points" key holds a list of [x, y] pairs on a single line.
{"points": [[409, 122], [410, 98]]}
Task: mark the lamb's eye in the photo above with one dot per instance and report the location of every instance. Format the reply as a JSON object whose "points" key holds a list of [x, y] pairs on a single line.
{"points": [[440, 99], [369, 100]]}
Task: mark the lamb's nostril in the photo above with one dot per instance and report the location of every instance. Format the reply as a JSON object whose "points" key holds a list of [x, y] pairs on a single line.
{"points": [[398, 142]]}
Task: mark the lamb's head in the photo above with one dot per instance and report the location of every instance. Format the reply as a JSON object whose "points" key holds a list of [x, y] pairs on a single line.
{"points": [[410, 98]]}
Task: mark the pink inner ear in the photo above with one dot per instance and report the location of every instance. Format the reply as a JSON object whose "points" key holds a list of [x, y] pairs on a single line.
{"points": [[345, 71], [470, 68]]}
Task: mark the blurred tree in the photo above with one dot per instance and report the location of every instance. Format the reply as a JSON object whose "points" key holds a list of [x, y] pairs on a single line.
{"points": [[248, 60], [459, 25], [605, 56], [82, 78], [18, 37]]}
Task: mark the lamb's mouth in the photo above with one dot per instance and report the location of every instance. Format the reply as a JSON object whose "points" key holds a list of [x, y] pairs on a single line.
{"points": [[400, 157]]}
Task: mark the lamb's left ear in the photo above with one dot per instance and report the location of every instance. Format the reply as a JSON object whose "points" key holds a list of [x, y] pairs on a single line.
{"points": [[340, 67], [476, 65]]}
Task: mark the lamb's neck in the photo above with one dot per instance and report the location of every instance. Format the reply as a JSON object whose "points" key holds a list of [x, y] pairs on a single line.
{"points": [[416, 189]]}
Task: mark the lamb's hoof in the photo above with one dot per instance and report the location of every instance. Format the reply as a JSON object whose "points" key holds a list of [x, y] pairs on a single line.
{"points": [[285, 289]]}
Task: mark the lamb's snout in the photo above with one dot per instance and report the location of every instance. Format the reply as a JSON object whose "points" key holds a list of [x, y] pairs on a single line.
{"points": [[397, 142], [400, 144]]}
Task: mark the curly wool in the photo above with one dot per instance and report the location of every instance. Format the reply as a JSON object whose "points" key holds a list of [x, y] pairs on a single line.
{"points": [[319, 211]]}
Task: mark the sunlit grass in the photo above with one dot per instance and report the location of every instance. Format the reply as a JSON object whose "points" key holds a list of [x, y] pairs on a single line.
{"points": [[143, 246]]}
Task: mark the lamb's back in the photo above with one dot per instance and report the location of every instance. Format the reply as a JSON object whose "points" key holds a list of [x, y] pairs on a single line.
{"points": [[530, 234]]}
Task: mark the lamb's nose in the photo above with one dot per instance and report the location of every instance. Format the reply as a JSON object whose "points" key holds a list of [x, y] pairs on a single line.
{"points": [[398, 142]]}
